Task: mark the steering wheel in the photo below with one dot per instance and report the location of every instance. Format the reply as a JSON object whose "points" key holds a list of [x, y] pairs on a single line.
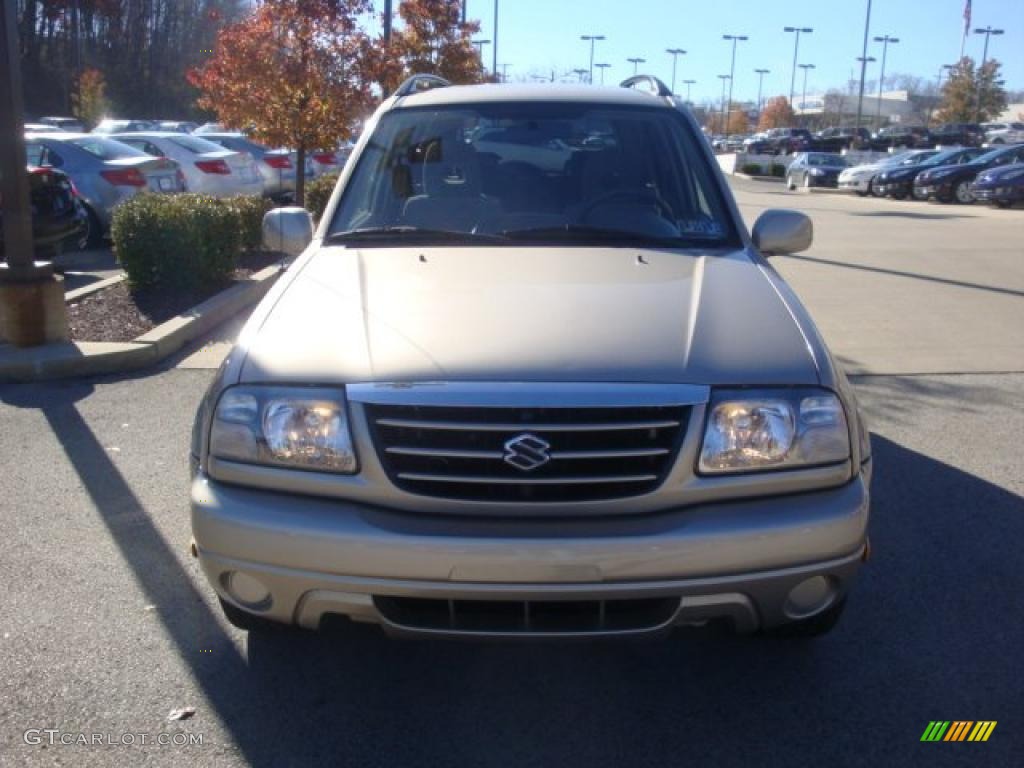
{"points": [[647, 195]]}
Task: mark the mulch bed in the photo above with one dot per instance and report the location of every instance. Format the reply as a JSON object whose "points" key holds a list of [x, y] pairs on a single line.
{"points": [[119, 314]]}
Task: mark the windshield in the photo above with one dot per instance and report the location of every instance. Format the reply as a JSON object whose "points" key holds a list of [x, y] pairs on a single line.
{"points": [[988, 157], [106, 149], [824, 158], [571, 172], [194, 145]]}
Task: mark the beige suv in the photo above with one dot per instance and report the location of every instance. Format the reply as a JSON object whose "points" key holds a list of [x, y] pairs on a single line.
{"points": [[531, 377]]}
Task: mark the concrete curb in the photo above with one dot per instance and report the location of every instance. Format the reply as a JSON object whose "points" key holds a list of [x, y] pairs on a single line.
{"points": [[748, 177], [86, 290], [55, 361]]}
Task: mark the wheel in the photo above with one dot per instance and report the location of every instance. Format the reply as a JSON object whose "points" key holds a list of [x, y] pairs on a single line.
{"points": [[899, 195], [874, 192], [815, 626], [789, 183], [862, 194], [245, 620], [962, 193], [93, 235]]}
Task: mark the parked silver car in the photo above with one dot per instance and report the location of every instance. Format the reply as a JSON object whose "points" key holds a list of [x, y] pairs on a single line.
{"points": [[276, 166], [861, 178], [494, 400], [109, 125], [105, 172], [208, 168]]}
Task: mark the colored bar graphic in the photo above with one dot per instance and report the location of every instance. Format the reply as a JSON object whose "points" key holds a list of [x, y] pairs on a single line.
{"points": [[958, 730]]}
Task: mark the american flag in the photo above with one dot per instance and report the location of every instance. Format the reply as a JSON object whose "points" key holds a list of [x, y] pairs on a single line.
{"points": [[967, 17]]}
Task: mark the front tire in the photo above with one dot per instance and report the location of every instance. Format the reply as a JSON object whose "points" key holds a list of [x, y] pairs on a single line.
{"points": [[93, 235], [789, 183], [962, 193]]}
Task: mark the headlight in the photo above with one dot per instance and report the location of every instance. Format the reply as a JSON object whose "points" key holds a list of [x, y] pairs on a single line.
{"points": [[777, 429], [816, 172], [303, 428]]}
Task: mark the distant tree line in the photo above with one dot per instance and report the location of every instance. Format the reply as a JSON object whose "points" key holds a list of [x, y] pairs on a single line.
{"points": [[139, 50]]}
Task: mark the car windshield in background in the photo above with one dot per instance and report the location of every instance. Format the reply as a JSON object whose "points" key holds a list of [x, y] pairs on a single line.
{"points": [[827, 159], [568, 173], [194, 145], [106, 149]]}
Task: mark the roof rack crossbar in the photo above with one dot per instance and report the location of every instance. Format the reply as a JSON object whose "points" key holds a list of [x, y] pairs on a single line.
{"points": [[419, 83], [648, 83]]}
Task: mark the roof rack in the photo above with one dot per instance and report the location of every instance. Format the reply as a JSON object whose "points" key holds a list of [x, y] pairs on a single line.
{"points": [[419, 83], [648, 83]]}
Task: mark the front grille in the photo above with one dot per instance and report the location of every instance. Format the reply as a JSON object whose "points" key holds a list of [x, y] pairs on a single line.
{"points": [[560, 454], [528, 617]]}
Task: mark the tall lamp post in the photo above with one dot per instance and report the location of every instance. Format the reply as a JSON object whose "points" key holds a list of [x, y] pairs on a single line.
{"points": [[675, 53], [592, 39], [863, 59], [688, 83], [494, 48], [580, 73], [760, 82], [796, 50], [732, 67], [884, 40], [636, 61], [987, 32], [722, 127], [31, 297], [480, 50], [602, 66], [803, 97]]}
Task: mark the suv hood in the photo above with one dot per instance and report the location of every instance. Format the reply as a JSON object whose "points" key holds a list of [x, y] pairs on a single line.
{"points": [[526, 314]]}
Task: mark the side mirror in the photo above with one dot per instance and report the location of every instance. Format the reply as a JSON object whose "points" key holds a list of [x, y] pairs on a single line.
{"points": [[287, 229], [778, 232]]}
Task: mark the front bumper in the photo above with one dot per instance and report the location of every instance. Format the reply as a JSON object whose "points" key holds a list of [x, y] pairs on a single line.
{"points": [[738, 560], [894, 188], [855, 185], [998, 194], [940, 190]]}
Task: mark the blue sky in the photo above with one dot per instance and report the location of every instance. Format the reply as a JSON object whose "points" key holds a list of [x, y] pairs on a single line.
{"points": [[541, 35]]}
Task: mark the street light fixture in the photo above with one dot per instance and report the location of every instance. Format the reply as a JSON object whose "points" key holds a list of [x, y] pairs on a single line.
{"points": [[636, 61], [592, 39], [722, 125], [987, 32], [796, 49], [675, 53], [602, 67], [688, 83], [732, 68], [580, 73], [863, 59], [803, 98], [480, 49], [884, 40], [760, 82]]}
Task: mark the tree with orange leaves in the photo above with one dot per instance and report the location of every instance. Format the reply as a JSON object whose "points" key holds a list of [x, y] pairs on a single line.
{"points": [[432, 40], [777, 113], [296, 73]]}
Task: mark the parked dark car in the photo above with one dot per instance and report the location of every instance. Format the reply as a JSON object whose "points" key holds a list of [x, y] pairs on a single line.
{"points": [[901, 136], [947, 183], [838, 139], [898, 182], [815, 169], [1002, 186], [958, 134], [72, 124], [57, 216], [780, 141]]}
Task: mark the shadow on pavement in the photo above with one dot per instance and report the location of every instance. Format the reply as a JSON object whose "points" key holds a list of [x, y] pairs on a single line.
{"points": [[912, 215], [933, 631], [901, 273]]}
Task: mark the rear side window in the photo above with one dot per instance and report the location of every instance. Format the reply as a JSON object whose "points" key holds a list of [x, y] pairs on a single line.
{"points": [[194, 145], [106, 149]]}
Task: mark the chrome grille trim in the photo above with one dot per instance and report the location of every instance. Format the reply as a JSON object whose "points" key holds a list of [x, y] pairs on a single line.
{"points": [[555, 455], [430, 478], [468, 426]]}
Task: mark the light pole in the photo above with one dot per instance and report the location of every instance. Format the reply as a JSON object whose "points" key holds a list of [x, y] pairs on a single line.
{"points": [[602, 67], [635, 61], [796, 49], [803, 97], [732, 67], [723, 126], [580, 73], [987, 32], [504, 72], [480, 50], [688, 83], [863, 59], [494, 48], [885, 40], [592, 39], [760, 82], [675, 53], [465, 4]]}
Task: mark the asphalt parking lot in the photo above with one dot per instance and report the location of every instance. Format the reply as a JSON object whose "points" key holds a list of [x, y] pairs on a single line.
{"points": [[107, 624]]}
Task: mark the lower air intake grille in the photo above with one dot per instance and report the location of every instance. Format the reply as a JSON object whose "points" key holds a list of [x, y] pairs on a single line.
{"points": [[527, 454]]}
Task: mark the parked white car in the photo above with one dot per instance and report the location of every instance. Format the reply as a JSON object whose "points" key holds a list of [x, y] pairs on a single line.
{"points": [[1004, 133], [209, 168], [860, 178]]}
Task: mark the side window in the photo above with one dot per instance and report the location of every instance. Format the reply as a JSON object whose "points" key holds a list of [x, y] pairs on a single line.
{"points": [[152, 149], [34, 152]]}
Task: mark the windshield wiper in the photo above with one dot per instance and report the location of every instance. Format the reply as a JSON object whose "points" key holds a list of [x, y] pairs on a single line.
{"points": [[586, 233], [403, 232]]}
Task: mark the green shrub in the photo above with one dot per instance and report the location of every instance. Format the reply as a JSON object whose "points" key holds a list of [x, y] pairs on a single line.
{"points": [[778, 170], [751, 169], [318, 192], [250, 209], [177, 241]]}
